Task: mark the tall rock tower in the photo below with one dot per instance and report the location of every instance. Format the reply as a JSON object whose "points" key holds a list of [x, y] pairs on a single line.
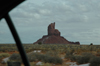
{"points": [[52, 30]]}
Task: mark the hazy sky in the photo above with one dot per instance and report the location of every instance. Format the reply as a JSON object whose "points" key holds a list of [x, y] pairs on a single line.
{"points": [[77, 20]]}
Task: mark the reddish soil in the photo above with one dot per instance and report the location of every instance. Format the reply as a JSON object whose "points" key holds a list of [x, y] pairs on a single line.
{"points": [[10, 52]]}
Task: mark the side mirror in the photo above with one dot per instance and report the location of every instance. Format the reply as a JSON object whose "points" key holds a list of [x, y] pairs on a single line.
{"points": [[7, 5]]}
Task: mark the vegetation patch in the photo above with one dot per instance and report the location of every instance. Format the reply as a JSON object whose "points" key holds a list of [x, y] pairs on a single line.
{"points": [[95, 61], [80, 59], [2, 55], [37, 57], [15, 57], [84, 58], [52, 53]]}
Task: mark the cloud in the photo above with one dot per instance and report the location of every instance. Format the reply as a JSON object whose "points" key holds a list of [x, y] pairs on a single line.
{"points": [[77, 20]]}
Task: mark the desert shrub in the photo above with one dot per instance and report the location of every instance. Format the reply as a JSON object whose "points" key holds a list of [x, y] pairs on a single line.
{"points": [[15, 57], [91, 43], [45, 58], [28, 49], [4, 55], [74, 57], [39, 43], [84, 58], [59, 60], [32, 57], [51, 53], [53, 48], [68, 55], [87, 54], [72, 51], [51, 59], [95, 61], [79, 59], [55, 60]]}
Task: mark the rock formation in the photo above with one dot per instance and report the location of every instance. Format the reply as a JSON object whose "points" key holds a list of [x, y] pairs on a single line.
{"points": [[54, 37], [52, 30]]}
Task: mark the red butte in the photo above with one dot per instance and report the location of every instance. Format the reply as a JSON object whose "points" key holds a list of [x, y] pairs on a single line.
{"points": [[54, 37]]}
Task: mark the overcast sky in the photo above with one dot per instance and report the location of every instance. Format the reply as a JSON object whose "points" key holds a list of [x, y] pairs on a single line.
{"points": [[77, 20]]}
